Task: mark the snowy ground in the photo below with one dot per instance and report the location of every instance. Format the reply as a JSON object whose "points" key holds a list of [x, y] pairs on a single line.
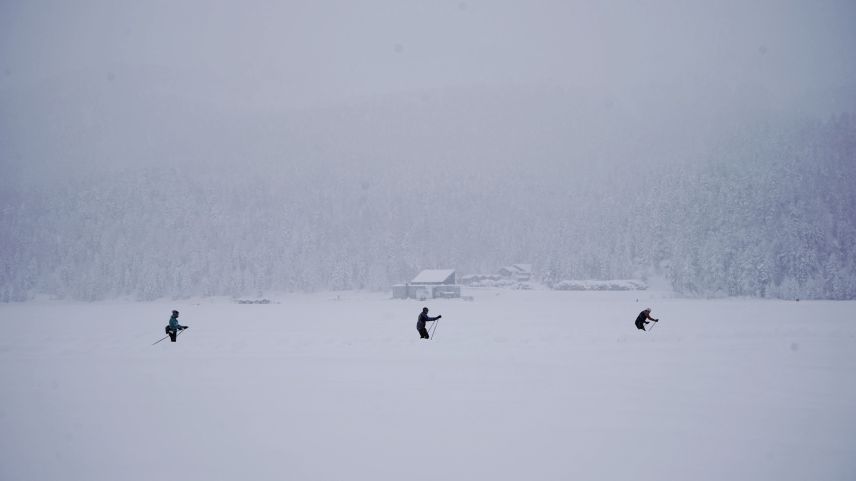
{"points": [[536, 385]]}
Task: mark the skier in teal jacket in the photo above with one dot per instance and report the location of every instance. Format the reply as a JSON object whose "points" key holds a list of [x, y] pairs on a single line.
{"points": [[173, 327]]}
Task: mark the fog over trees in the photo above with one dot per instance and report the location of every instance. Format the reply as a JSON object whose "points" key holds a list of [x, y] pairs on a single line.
{"points": [[152, 152]]}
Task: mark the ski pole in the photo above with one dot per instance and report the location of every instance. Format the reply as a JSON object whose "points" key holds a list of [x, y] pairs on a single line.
{"points": [[652, 326], [179, 333], [435, 329]]}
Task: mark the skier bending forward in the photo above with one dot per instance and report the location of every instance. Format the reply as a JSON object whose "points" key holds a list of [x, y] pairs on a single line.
{"points": [[173, 327], [643, 317], [420, 324]]}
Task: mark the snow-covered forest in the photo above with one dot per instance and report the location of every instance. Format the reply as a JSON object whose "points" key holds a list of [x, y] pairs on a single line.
{"points": [[363, 195]]}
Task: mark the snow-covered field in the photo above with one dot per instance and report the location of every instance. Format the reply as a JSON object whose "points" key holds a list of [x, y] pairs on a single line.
{"points": [[517, 385]]}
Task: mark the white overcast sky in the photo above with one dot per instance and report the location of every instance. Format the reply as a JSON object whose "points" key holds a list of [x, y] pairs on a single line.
{"points": [[295, 53]]}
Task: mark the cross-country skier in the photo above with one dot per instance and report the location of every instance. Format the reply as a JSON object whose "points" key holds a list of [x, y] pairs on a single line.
{"points": [[173, 327], [420, 324], [643, 317]]}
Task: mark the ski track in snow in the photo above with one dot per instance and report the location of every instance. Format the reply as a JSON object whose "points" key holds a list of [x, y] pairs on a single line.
{"points": [[537, 385]]}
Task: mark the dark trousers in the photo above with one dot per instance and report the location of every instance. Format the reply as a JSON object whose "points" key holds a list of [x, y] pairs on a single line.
{"points": [[172, 333], [639, 325], [423, 333]]}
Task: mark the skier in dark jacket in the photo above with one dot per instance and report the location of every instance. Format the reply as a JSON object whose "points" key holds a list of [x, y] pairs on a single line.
{"points": [[643, 317], [173, 327], [420, 324]]}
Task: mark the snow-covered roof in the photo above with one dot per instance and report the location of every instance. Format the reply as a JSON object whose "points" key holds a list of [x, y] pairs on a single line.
{"points": [[432, 276], [517, 269], [523, 268]]}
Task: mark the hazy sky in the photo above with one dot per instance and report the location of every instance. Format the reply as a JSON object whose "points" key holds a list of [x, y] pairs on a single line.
{"points": [[295, 53]]}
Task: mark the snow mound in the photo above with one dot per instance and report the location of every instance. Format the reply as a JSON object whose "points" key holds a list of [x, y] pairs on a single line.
{"points": [[591, 285]]}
